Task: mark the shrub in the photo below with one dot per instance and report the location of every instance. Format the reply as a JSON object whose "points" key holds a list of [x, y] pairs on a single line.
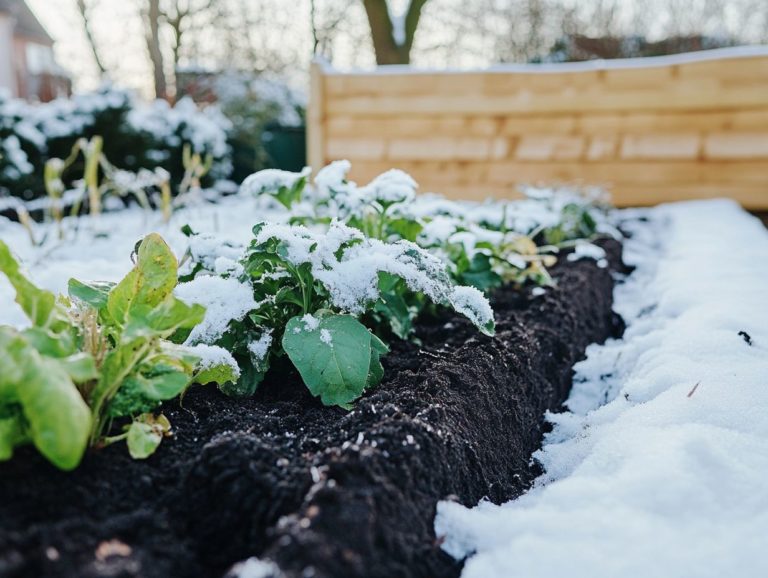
{"points": [[135, 136]]}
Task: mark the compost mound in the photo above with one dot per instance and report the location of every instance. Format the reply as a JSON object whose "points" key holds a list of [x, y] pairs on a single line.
{"points": [[320, 491]]}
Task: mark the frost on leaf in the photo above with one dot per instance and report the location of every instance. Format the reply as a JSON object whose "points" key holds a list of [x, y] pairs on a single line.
{"points": [[224, 300], [471, 303], [270, 180]]}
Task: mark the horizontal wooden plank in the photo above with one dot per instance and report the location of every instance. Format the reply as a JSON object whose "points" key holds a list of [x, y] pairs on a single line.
{"points": [[753, 197], [744, 145], [746, 68], [682, 121], [495, 82], [661, 146], [703, 97], [595, 123], [357, 148], [438, 148], [629, 172], [549, 147]]}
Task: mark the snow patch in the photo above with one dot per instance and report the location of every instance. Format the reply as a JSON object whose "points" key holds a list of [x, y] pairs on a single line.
{"points": [[259, 349], [326, 337], [213, 356], [658, 468], [271, 180], [224, 299]]}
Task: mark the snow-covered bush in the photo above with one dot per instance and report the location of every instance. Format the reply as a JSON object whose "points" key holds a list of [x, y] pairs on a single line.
{"points": [[135, 135], [253, 104]]}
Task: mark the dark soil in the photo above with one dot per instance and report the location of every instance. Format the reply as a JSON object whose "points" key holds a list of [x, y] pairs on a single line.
{"points": [[320, 491]]}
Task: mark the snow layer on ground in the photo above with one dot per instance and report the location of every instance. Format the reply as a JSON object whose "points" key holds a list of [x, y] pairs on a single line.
{"points": [[659, 467], [101, 250]]}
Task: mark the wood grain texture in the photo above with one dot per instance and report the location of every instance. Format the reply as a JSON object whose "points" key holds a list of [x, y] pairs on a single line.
{"points": [[673, 131]]}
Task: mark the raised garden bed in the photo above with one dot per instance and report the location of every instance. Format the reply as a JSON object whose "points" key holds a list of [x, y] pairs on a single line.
{"points": [[319, 490]]}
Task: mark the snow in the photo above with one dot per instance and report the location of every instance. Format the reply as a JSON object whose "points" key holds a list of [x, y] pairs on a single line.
{"points": [[206, 130], [584, 250], [558, 67], [326, 337], [260, 348], [398, 22], [99, 250], [658, 467], [224, 299], [271, 180], [471, 303], [213, 356], [392, 186], [255, 568], [352, 278], [310, 322]]}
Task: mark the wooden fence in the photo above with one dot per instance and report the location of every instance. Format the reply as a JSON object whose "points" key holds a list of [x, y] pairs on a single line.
{"points": [[651, 130]]}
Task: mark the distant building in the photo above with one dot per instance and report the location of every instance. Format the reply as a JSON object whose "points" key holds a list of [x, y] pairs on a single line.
{"points": [[27, 67], [575, 47]]}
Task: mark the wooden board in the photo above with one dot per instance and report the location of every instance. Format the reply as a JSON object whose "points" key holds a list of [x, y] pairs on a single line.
{"points": [[679, 128]]}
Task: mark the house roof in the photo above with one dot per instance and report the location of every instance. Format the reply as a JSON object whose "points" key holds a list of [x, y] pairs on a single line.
{"points": [[27, 24]]}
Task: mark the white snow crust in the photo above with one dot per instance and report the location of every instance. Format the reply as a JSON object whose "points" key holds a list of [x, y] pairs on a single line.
{"points": [[659, 465]]}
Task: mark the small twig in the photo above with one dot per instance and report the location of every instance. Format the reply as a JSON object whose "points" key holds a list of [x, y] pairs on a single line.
{"points": [[690, 393]]}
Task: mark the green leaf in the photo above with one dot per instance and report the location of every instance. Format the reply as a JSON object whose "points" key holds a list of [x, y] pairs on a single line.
{"points": [[407, 229], [80, 367], [51, 344], [148, 284], [392, 305], [376, 372], [246, 384], [58, 419], [479, 273], [159, 380], [333, 358], [39, 305], [94, 294], [219, 374], [12, 431], [145, 434], [164, 319]]}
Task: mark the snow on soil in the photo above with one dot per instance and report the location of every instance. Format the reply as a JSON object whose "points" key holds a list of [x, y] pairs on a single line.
{"points": [[659, 466], [106, 256]]}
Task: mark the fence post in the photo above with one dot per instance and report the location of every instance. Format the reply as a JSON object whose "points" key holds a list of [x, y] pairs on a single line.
{"points": [[316, 118]]}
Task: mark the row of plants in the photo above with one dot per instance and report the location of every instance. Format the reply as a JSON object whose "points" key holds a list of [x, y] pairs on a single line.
{"points": [[103, 185], [134, 136], [343, 271]]}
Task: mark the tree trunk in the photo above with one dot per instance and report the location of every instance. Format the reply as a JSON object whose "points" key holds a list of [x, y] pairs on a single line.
{"points": [[152, 22], [83, 9], [391, 46]]}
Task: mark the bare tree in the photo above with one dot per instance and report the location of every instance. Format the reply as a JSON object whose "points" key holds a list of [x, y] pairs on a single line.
{"points": [[151, 14], [84, 10], [178, 15], [393, 38], [326, 23]]}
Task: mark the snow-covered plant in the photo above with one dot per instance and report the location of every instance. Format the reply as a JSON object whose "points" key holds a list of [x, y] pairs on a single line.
{"points": [[285, 187], [101, 354], [483, 245], [305, 294]]}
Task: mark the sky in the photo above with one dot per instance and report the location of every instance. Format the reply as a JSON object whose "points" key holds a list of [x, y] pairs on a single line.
{"points": [[118, 32], [460, 40]]}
